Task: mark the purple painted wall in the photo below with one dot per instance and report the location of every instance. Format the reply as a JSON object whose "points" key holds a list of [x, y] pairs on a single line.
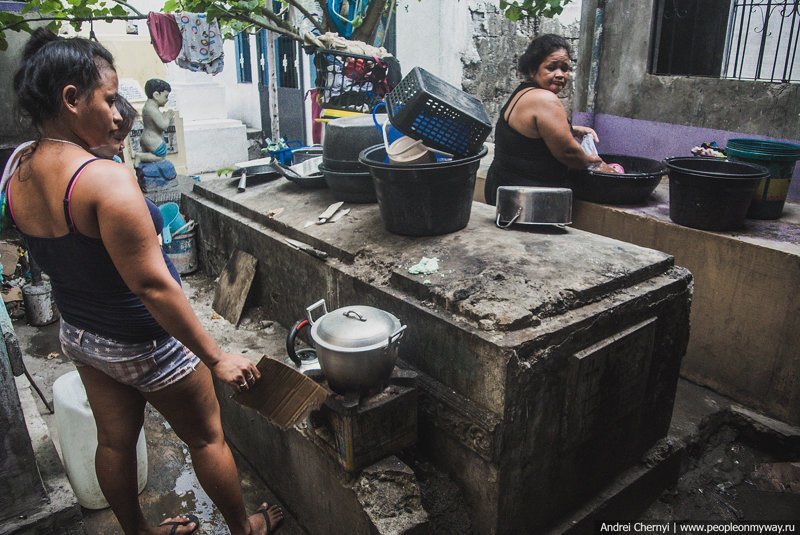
{"points": [[651, 139]]}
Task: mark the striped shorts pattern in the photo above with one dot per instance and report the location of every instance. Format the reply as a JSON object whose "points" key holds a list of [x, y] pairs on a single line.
{"points": [[146, 366]]}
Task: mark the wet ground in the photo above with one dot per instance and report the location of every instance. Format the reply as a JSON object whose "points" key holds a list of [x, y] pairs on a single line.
{"points": [[718, 482], [725, 481], [172, 487]]}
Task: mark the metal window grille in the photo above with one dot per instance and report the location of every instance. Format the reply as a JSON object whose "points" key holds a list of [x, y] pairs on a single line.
{"points": [[244, 71], [763, 41], [731, 39], [261, 57]]}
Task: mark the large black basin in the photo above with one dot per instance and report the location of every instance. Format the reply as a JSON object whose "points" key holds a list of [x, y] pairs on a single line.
{"points": [[634, 186], [345, 138]]}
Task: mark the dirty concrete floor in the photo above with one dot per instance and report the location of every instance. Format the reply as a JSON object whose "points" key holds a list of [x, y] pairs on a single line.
{"points": [[708, 491], [172, 487]]}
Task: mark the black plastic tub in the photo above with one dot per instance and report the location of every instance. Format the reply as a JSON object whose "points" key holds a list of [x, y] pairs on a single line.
{"points": [[634, 186], [711, 193], [349, 186], [345, 138], [423, 199]]}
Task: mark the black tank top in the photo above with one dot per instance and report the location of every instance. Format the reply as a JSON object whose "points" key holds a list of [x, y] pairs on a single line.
{"points": [[87, 288], [520, 160]]}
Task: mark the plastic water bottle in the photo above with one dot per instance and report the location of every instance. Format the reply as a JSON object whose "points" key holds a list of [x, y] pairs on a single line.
{"points": [[77, 435]]}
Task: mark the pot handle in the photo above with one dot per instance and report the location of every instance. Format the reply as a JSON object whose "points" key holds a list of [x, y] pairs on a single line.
{"points": [[315, 306], [290, 339], [396, 336], [506, 225]]}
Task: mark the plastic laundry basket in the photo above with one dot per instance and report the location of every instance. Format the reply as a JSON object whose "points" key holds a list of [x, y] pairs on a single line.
{"points": [[425, 107]]}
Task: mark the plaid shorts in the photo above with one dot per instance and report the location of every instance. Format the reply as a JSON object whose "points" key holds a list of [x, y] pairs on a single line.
{"points": [[146, 366]]}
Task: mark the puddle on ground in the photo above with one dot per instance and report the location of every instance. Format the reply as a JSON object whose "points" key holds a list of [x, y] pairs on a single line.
{"points": [[719, 484], [44, 341]]}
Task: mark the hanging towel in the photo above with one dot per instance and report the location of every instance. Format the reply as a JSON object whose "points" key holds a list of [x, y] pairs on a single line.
{"points": [[202, 43], [165, 36]]}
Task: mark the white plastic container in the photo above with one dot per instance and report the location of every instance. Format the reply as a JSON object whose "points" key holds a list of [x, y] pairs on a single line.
{"points": [[77, 436]]}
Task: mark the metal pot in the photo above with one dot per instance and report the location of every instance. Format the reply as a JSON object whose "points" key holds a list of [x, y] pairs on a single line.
{"points": [[356, 345], [533, 206]]}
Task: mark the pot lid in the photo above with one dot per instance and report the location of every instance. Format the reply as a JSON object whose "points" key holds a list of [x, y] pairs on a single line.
{"points": [[355, 327]]}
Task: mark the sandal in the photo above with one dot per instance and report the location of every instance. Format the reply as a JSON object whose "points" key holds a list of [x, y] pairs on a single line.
{"points": [[192, 518], [265, 513]]}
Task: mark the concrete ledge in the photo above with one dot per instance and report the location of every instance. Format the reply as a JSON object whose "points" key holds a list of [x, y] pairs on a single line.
{"points": [[383, 499], [59, 512], [746, 308]]}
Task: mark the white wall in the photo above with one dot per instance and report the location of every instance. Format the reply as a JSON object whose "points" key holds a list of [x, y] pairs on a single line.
{"points": [[242, 99], [432, 34], [437, 34]]}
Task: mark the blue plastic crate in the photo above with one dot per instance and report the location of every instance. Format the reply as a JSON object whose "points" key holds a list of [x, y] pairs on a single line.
{"points": [[425, 107]]}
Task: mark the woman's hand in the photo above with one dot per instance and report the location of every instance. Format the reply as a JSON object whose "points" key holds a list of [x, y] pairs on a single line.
{"points": [[603, 167], [580, 131], [236, 371]]}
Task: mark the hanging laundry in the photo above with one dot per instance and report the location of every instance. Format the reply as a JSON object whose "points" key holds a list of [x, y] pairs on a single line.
{"points": [[165, 36], [202, 43]]}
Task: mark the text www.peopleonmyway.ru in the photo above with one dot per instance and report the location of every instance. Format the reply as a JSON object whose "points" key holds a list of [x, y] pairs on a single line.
{"points": [[690, 528]]}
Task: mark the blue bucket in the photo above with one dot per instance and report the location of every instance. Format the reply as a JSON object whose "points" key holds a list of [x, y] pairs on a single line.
{"points": [[173, 220]]}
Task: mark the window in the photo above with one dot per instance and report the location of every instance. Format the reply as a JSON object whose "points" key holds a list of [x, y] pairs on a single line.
{"points": [[735, 39], [286, 50], [261, 53], [244, 71]]}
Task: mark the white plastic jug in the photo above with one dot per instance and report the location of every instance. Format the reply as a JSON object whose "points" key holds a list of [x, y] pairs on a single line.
{"points": [[77, 435]]}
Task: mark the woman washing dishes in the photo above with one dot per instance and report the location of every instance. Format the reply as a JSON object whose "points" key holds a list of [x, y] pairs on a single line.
{"points": [[126, 323], [534, 143]]}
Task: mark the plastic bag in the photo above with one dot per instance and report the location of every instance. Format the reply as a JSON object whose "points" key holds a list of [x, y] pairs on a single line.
{"points": [[587, 144]]}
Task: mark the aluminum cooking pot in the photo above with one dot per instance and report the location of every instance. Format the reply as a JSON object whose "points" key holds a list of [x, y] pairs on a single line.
{"points": [[356, 345], [533, 206]]}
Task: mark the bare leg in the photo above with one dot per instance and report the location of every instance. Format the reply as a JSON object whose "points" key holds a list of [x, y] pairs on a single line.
{"points": [[192, 409], [119, 413]]}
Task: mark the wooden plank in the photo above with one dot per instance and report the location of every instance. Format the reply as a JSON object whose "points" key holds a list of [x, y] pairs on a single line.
{"points": [[233, 286]]}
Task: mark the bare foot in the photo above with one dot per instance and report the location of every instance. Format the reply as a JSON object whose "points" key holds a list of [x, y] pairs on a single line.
{"points": [[178, 525], [267, 519]]}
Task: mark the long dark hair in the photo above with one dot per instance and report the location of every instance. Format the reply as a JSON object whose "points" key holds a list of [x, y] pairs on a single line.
{"points": [[538, 50], [49, 63], [127, 112]]}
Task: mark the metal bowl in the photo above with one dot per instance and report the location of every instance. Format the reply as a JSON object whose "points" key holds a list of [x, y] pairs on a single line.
{"points": [[523, 205]]}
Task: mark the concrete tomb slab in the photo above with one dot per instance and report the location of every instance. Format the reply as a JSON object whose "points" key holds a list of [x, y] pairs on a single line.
{"points": [[548, 359]]}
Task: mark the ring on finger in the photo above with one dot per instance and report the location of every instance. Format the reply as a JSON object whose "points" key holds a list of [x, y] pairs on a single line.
{"points": [[243, 384], [251, 378]]}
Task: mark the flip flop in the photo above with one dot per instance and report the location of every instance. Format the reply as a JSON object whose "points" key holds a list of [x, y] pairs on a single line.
{"points": [[265, 513], [175, 525]]}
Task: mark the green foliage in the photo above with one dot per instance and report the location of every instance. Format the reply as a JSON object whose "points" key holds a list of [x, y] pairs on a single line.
{"points": [[234, 15], [518, 9], [55, 11]]}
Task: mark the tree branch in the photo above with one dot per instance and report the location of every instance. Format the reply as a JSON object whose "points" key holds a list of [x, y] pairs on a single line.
{"points": [[297, 5], [127, 5], [276, 19], [72, 19], [261, 24], [326, 19], [369, 27]]}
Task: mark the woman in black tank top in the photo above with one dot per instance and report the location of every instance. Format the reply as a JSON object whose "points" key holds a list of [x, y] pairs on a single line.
{"points": [[534, 143], [126, 322]]}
